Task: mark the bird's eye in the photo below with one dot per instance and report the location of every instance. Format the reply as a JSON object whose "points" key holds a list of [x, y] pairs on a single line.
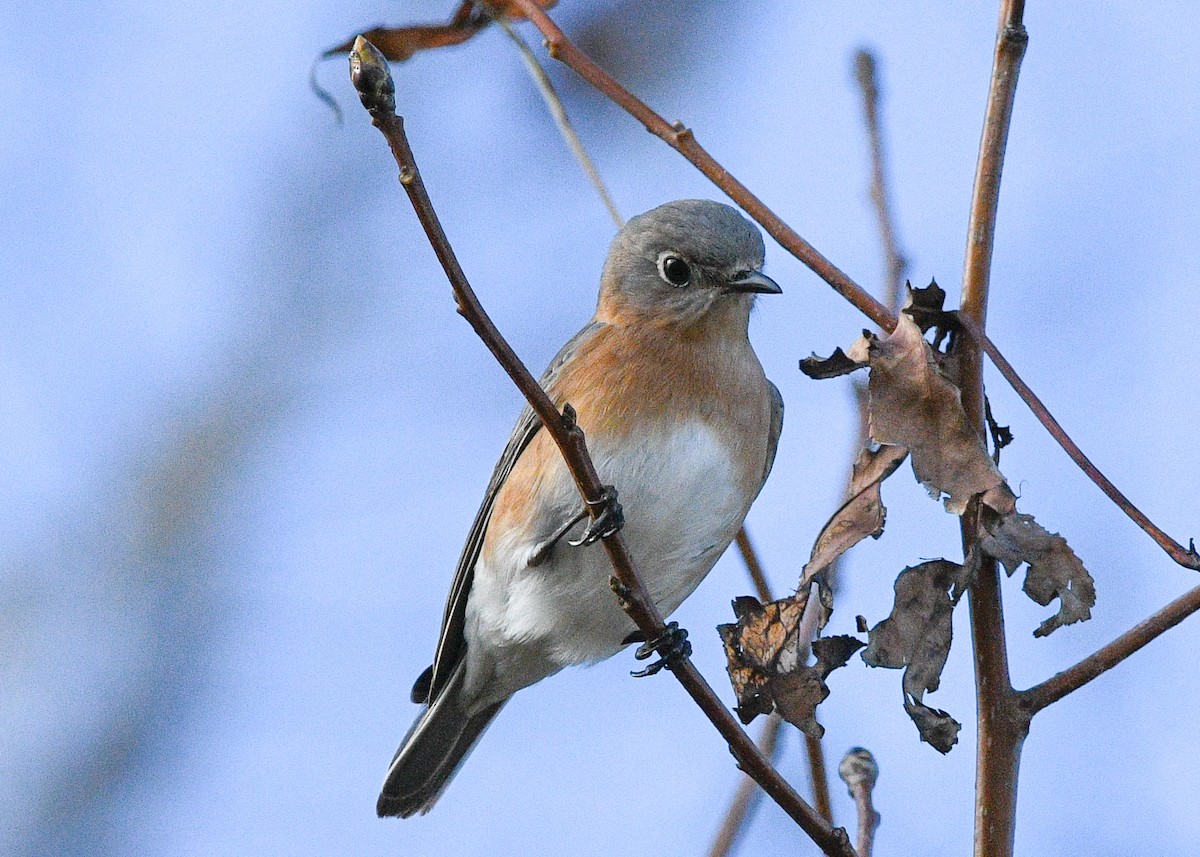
{"points": [[674, 270]]}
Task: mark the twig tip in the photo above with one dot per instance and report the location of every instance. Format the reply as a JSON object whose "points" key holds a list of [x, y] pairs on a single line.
{"points": [[858, 766], [372, 78]]}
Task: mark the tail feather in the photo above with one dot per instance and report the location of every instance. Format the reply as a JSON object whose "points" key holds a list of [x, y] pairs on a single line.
{"points": [[432, 752]]}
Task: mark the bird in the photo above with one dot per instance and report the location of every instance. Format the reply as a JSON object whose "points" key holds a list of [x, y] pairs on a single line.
{"points": [[679, 418]]}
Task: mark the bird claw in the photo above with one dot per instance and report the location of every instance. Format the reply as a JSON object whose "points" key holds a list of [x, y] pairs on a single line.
{"points": [[672, 644], [608, 520]]}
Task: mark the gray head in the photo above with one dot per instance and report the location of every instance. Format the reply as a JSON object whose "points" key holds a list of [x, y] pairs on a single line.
{"points": [[684, 261]]}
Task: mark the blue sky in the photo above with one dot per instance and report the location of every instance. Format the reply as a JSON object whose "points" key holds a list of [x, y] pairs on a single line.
{"points": [[246, 432]]}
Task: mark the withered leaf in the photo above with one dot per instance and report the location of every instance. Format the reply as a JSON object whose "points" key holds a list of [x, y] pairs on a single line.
{"points": [[836, 364], [913, 405], [861, 516], [834, 652], [937, 727], [925, 306], [1054, 569], [916, 637], [400, 43], [766, 654]]}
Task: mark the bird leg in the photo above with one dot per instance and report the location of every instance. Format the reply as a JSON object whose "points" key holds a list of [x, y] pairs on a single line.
{"points": [[542, 553], [671, 644], [607, 521]]}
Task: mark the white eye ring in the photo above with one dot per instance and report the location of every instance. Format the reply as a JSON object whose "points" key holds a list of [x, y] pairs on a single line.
{"points": [[674, 270]]}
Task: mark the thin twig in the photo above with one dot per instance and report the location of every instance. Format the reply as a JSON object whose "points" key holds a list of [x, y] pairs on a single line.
{"points": [[559, 112], [1187, 557], [859, 772], [745, 799], [1001, 724], [754, 567], [369, 72], [865, 69], [682, 140], [740, 809], [1099, 662], [818, 776]]}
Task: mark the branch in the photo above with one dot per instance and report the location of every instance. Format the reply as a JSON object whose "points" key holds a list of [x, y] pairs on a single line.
{"points": [[369, 72], [1070, 680], [1001, 726], [745, 799], [815, 751], [1187, 557], [559, 113], [859, 772], [865, 68], [682, 140]]}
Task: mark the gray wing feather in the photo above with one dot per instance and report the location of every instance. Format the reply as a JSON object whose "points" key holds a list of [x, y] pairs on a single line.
{"points": [[451, 643], [776, 429]]}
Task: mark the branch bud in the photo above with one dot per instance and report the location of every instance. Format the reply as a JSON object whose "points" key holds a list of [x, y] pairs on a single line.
{"points": [[372, 78]]}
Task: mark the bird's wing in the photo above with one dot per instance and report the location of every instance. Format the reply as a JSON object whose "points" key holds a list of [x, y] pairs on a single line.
{"points": [[776, 428], [451, 643]]}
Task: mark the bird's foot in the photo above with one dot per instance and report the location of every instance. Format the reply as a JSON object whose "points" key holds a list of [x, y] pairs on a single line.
{"points": [[607, 521], [671, 645]]}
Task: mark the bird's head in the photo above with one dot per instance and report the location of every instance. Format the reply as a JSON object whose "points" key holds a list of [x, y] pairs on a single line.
{"points": [[691, 261]]}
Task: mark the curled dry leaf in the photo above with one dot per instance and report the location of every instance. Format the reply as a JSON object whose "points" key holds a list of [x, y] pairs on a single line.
{"points": [[913, 405], [860, 516], [766, 655], [398, 44], [916, 637], [1054, 569]]}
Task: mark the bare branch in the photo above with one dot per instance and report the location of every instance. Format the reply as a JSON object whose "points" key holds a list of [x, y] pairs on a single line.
{"points": [[1001, 729], [1096, 664], [865, 69], [371, 77], [682, 140], [1187, 557], [745, 799], [818, 776], [859, 772], [754, 567], [559, 113]]}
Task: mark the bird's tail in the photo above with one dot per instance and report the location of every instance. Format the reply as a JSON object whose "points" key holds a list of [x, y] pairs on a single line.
{"points": [[433, 751]]}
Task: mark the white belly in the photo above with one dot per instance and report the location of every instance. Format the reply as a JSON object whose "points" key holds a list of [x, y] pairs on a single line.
{"points": [[683, 505]]}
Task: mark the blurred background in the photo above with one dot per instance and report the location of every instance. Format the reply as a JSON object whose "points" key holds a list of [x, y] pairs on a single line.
{"points": [[244, 432]]}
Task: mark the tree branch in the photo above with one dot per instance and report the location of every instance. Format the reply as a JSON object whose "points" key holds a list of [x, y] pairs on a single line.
{"points": [[1070, 680], [369, 72], [559, 113], [1002, 725], [818, 775], [745, 799], [859, 772], [682, 140], [1187, 557], [865, 71]]}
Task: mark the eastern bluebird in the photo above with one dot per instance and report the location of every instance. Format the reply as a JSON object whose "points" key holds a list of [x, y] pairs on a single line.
{"points": [[679, 417]]}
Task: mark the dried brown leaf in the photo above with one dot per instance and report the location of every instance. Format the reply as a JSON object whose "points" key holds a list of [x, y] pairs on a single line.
{"points": [[766, 661], [937, 727], [398, 44], [916, 637], [836, 364], [1054, 569], [861, 516], [913, 405]]}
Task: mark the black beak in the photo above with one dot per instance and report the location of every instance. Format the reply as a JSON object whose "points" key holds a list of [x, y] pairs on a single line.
{"points": [[753, 281]]}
